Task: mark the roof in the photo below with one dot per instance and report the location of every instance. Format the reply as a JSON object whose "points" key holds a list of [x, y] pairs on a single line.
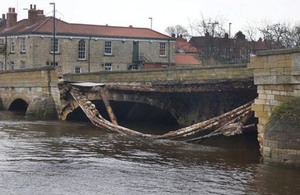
{"points": [[182, 44], [43, 25], [186, 59]]}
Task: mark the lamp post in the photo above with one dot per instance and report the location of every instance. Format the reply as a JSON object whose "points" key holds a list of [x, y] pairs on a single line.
{"points": [[230, 29], [53, 32], [150, 18], [229, 35]]}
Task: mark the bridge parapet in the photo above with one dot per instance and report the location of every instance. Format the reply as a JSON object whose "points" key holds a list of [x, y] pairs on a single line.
{"points": [[196, 73], [277, 76]]}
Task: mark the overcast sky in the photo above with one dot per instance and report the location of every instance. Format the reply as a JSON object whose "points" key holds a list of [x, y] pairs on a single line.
{"points": [[164, 12]]}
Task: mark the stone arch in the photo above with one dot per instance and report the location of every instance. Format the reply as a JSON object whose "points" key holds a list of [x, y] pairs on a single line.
{"points": [[67, 109], [18, 100]]}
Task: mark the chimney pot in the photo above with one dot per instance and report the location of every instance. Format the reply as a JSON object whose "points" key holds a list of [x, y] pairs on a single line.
{"points": [[30, 6], [34, 7], [11, 17]]}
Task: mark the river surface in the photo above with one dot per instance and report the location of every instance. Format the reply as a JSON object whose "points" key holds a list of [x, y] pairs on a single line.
{"points": [[56, 157]]}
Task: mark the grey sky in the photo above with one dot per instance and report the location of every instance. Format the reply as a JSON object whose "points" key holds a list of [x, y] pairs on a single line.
{"points": [[163, 12]]}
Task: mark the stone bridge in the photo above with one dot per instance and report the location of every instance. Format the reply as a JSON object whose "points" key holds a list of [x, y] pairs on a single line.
{"points": [[188, 95], [31, 91]]}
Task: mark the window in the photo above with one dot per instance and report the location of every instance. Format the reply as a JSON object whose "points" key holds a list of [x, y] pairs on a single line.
{"points": [[108, 66], [135, 67], [81, 50], [108, 48], [1, 66], [22, 64], [162, 49], [23, 45], [12, 46], [54, 44], [12, 65], [78, 69], [54, 64]]}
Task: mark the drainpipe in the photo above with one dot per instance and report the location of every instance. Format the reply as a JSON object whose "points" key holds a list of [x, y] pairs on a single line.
{"points": [[89, 55], [169, 53], [5, 54]]}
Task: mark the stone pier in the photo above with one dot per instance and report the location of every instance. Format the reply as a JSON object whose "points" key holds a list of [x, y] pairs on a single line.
{"points": [[277, 76]]}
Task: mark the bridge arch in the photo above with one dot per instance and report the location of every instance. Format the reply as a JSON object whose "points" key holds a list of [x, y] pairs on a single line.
{"points": [[18, 102], [119, 97], [18, 105], [130, 109]]}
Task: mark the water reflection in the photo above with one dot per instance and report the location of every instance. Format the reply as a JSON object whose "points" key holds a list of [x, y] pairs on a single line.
{"points": [[55, 157]]}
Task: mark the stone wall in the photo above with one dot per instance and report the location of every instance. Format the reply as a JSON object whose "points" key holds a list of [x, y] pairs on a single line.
{"points": [[29, 85], [196, 73], [37, 53], [277, 76]]}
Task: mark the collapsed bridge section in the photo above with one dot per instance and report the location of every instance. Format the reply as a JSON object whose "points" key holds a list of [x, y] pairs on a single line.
{"points": [[230, 123]]}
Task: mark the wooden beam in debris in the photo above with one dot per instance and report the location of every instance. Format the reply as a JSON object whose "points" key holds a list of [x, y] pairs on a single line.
{"points": [[109, 109]]}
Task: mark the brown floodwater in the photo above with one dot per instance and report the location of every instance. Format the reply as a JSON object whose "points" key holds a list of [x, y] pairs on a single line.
{"points": [[57, 157]]}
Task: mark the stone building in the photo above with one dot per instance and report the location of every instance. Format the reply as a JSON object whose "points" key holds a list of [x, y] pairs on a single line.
{"points": [[80, 47], [228, 50]]}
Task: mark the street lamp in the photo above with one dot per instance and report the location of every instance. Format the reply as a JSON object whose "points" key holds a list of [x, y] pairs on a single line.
{"points": [[230, 29], [53, 32], [150, 18], [229, 49]]}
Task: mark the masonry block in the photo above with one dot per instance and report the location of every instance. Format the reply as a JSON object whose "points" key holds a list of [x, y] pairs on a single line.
{"points": [[277, 71]]}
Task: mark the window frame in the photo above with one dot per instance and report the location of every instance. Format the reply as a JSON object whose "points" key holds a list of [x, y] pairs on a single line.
{"points": [[82, 50], [23, 64], [78, 68], [162, 49], [1, 66], [12, 45], [23, 45], [12, 65], [108, 67], [108, 47], [56, 46]]}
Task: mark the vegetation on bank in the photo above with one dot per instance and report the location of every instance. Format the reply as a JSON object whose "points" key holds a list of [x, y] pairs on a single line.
{"points": [[287, 109]]}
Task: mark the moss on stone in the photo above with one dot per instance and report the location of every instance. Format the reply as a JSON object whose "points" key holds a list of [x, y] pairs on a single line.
{"points": [[287, 109]]}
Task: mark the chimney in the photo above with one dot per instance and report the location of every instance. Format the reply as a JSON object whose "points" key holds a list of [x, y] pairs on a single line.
{"points": [[34, 15], [11, 17], [2, 21]]}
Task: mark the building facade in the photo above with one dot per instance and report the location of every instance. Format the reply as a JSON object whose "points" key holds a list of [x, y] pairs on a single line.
{"points": [[79, 48], [229, 50]]}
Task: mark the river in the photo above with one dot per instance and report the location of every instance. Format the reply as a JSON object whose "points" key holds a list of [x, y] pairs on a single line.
{"points": [[57, 157]]}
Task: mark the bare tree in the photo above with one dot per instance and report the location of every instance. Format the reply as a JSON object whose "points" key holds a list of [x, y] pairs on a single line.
{"points": [[177, 31], [210, 26], [296, 34], [278, 34], [251, 32]]}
